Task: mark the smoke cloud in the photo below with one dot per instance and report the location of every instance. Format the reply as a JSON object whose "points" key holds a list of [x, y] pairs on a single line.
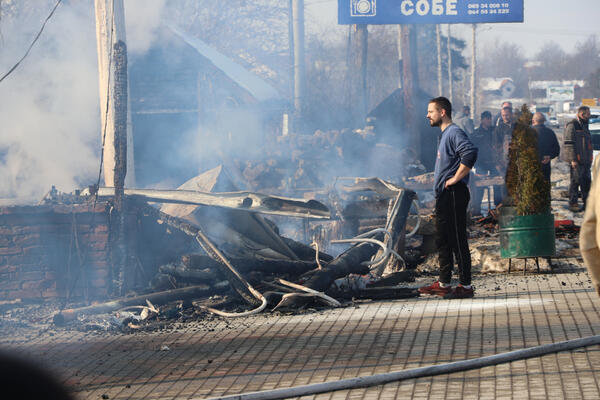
{"points": [[49, 105]]}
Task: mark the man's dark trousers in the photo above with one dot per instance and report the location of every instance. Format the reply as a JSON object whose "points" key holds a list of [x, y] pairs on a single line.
{"points": [[451, 232], [581, 177]]}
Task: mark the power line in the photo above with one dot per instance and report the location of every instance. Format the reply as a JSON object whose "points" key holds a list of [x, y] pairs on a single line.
{"points": [[32, 43]]}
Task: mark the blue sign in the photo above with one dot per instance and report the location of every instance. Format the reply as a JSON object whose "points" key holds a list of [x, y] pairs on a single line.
{"points": [[377, 12]]}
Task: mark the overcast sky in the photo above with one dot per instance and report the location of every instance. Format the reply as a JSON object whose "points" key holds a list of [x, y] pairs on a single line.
{"points": [[563, 21]]}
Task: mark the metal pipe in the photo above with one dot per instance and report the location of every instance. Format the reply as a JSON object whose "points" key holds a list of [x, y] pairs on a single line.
{"points": [[432, 370]]}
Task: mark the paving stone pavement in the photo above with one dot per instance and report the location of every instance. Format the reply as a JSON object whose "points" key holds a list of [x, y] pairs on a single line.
{"points": [[267, 351]]}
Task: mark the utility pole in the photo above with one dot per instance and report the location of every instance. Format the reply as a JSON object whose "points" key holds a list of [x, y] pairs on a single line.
{"points": [[116, 127], [450, 94], [410, 87], [400, 62], [438, 41], [473, 72], [299, 68], [110, 30], [363, 39]]}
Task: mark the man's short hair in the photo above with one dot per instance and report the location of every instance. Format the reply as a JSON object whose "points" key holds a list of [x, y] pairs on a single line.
{"points": [[486, 114], [508, 105], [466, 109], [583, 108], [443, 103]]}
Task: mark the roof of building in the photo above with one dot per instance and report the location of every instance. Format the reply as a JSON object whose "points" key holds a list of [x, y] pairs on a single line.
{"points": [[257, 87]]}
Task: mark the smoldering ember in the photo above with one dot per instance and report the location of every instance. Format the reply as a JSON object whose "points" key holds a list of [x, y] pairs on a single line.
{"points": [[256, 187]]}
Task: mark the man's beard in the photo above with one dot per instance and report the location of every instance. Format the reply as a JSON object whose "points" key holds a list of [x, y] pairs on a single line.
{"points": [[435, 123]]}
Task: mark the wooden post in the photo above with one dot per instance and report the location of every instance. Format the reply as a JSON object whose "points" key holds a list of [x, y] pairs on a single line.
{"points": [[438, 42], [363, 36], [411, 87], [473, 72], [299, 68], [400, 61], [450, 94], [110, 29], [124, 280]]}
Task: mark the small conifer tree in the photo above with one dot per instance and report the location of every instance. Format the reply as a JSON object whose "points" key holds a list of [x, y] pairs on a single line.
{"points": [[525, 183]]}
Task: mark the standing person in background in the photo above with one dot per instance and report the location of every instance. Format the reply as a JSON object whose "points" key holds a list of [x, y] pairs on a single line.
{"points": [[482, 139], [579, 153], [501, 141], [498, 116], [548, 147], [464, 120], [456, 156]]}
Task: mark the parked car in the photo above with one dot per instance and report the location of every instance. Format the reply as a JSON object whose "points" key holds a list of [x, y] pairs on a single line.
{"points": [[552, 122]]}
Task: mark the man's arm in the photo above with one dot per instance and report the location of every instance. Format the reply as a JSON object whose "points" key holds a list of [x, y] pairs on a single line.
{"points": [[569, 148], [555, 146], [461, 172]]}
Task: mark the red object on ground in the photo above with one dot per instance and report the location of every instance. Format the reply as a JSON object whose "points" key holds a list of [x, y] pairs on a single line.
{"points": [[563, 222]]}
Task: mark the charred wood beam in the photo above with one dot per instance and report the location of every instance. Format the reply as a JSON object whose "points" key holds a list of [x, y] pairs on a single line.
{"points": [[249, 201], [182, 273], [305, 252], [396, 225], [155, 298], [377, 293], [123, 274], [346, 263], [240, 285], [260, 264]]}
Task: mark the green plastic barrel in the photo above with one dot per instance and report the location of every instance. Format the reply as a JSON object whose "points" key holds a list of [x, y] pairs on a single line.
{"points": [[527, 235]]}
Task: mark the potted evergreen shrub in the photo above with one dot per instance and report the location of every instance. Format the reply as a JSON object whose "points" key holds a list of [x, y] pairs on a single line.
{"points": [[526, 222]]}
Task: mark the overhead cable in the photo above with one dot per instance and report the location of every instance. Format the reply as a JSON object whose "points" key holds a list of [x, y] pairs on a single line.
{"points": [[10, 71]]}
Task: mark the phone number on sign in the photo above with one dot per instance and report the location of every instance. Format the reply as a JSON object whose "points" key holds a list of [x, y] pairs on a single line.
{"points": [[488, 8]]}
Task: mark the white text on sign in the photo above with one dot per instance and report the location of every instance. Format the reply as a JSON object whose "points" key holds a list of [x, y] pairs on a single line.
{"points": [[426, 7]]}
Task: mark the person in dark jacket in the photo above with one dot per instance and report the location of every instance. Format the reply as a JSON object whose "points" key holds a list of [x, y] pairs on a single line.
{"points": [[579, 153], [548, 147], [484, 167], [456, 156], [501, 141]]}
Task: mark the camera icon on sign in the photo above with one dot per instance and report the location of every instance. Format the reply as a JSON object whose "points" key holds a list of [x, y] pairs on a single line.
{"points": [[362, 8]]}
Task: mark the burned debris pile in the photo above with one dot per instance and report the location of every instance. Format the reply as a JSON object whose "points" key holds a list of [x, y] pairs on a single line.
{"points": [[231, 260]]}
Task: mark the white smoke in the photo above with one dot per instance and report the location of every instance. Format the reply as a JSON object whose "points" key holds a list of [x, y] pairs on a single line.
{"points": [[49, 111]]}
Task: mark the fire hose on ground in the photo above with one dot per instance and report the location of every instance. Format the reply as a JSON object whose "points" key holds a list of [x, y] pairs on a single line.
{"points": [[380, 379]]}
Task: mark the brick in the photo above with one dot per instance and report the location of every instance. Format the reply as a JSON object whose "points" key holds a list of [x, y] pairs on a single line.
{"points": [[24, 260], [99, 264], [11, 250], [7, 268], [24, 294], [31, 276], [27, 285], [2, 260], [5, 240], [97, 245], [99, 273], [10, 285], [42, 249], [18, 229], [97, 255], [51, 293], [98, 283], [27, 239], [96, 237], [53, 275]]}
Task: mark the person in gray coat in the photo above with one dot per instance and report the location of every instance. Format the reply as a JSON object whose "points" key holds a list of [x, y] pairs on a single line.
{"points": [[579, 153], [464, 121]]}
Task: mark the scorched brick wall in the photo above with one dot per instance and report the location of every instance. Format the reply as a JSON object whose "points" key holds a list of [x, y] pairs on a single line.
{"points": [[38, 251]]}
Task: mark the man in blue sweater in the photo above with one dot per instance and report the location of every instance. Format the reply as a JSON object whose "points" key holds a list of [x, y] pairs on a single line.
{"points": [[456, 156]]}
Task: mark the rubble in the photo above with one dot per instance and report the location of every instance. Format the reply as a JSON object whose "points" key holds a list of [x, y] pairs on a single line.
{"points": [[235, 262]]}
